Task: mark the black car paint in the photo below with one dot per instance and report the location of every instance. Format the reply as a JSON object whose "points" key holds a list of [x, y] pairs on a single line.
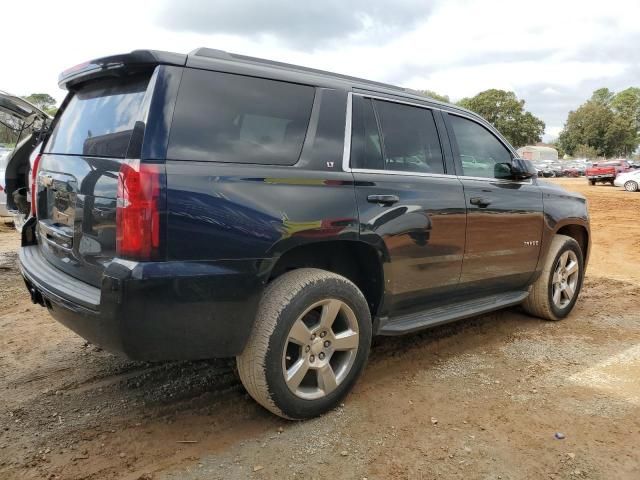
{"points": [[226, 225]]}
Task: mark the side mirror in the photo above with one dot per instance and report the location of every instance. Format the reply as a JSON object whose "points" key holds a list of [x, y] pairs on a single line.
{"points": [[518, 169]]}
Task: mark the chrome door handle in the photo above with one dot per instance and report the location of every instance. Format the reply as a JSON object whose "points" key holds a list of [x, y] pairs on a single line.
{"points": [[383, 199], [480, 201]]}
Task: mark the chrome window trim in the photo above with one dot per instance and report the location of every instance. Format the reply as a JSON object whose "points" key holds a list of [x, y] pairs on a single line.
{"points": [[402, 173], [346, 153]]}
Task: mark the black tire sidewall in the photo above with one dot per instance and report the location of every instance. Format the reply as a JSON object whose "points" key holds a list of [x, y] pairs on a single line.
{"points": [[291, 405], [569, 244]]}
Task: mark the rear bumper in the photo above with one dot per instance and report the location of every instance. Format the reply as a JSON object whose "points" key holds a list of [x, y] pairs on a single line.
{"points": [[153, 311]]}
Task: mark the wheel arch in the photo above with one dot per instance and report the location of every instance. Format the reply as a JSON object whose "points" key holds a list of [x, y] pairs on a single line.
{"points": [[360, 262], [580, 233]]}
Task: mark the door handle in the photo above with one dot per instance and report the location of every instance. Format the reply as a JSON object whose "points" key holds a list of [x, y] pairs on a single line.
{"points": [[480, 201], [383, 199]]}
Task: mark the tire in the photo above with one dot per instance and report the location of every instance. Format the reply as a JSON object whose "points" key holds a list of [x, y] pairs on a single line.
{"points": [[592, 183], [541, 302], [277, 345], [631, 186]]}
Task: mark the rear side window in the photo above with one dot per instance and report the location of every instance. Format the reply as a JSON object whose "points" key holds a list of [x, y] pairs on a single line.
{"points": [[481, 153], [223, 117], [410, 138], [99, 118]]}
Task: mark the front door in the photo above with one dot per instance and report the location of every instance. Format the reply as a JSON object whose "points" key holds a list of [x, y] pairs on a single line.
{"points": [[408, 204], [504, 217]]}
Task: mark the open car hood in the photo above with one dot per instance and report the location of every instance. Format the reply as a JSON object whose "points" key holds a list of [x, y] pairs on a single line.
{"points": [[20, 108]]}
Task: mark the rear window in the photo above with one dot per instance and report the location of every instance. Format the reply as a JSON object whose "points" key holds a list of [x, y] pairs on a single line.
{"points": [[223, 117], [99, 118]]}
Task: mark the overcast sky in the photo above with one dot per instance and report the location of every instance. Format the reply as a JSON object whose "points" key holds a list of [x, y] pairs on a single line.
{"points": [[552, 53]]}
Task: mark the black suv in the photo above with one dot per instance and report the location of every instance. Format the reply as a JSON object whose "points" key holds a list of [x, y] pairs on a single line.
{"points": [[212, 205]]}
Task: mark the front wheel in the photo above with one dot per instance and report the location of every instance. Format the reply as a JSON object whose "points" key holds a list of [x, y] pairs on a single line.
{"points": [[555, 292], [309, 344], [631, 186]]}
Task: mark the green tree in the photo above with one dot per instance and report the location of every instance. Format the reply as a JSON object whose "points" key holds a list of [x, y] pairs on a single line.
{"points": [[603, 96], [43, 101], [507, 114], [627, 105], [609, 123], [434, 95], [561, 153], [585, 151]]}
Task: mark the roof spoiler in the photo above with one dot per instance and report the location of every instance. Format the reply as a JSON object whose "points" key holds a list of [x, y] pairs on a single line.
{"points": [[116, 65]]}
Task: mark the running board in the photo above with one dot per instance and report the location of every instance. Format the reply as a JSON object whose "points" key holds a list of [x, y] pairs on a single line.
{"points": [[456, 311]]}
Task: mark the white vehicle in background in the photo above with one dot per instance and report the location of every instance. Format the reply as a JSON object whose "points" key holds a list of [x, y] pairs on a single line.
{"points": [[29, 123], [629, 180]]}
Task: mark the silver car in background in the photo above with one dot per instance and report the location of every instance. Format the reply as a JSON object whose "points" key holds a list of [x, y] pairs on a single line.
{"points": [[629, 180]]}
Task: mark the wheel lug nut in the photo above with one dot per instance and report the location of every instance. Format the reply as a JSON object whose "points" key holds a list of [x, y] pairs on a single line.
{"points": [[322, 335], [327, 343], [321, 355], [313, 336], [312, 358], [307, 348]]}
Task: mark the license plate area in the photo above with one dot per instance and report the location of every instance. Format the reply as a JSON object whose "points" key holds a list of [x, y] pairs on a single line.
{"points": [[58, 220]]}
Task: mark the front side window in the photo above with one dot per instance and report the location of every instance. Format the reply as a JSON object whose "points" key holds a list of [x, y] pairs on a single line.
{"points": [[481, 153], [223, 117]]}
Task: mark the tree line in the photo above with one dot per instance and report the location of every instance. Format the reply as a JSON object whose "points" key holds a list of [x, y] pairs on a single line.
{"points": [[606, 125]]}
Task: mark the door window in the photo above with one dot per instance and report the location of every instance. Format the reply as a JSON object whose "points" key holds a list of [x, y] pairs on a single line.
{"points": [[481, 153], [366, 150], [410, 138]]}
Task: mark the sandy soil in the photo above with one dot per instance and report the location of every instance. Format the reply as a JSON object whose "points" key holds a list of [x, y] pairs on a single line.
{"points": [[481, 399]]}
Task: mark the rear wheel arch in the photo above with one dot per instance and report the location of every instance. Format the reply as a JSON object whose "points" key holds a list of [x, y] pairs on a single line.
{"points": [[357, 261]]}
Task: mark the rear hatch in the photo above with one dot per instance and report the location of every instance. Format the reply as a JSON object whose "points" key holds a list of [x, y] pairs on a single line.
{"points": [[28, 123], [77, 175]]}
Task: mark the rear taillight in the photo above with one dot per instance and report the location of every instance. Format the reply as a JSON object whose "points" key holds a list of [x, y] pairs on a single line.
{"points": [[34, 185], [138, 211]]}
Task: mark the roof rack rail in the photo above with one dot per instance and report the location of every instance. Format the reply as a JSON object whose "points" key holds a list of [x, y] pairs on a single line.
{"points": [[222, 55]]}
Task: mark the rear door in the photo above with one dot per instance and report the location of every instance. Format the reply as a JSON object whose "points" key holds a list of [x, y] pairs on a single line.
{"points": [[505, 217], [409, 200], [78, 173]]}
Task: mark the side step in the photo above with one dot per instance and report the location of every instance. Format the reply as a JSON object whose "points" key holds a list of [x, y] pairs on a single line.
{"points": [[432, 317]]}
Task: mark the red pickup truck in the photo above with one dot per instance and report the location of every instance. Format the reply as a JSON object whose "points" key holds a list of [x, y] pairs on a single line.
{"points": [[606, 172]]}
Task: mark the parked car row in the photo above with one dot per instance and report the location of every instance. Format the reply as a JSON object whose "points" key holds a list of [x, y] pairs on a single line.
{"points": [[557, 169]]}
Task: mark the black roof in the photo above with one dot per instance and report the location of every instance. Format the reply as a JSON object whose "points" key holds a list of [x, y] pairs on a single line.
{"points": [[219, 60]]}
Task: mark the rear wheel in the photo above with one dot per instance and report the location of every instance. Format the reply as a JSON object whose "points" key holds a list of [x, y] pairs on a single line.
{"points": [[631, 186], [554, 294], [309, 344], [592, 182]]}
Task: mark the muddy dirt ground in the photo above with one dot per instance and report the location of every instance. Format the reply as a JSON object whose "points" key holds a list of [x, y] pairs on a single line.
{"points": [[481, 399]]}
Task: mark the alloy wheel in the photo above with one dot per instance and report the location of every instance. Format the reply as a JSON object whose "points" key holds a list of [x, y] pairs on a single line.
{"points": [[320, 349], [565, 279]]}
